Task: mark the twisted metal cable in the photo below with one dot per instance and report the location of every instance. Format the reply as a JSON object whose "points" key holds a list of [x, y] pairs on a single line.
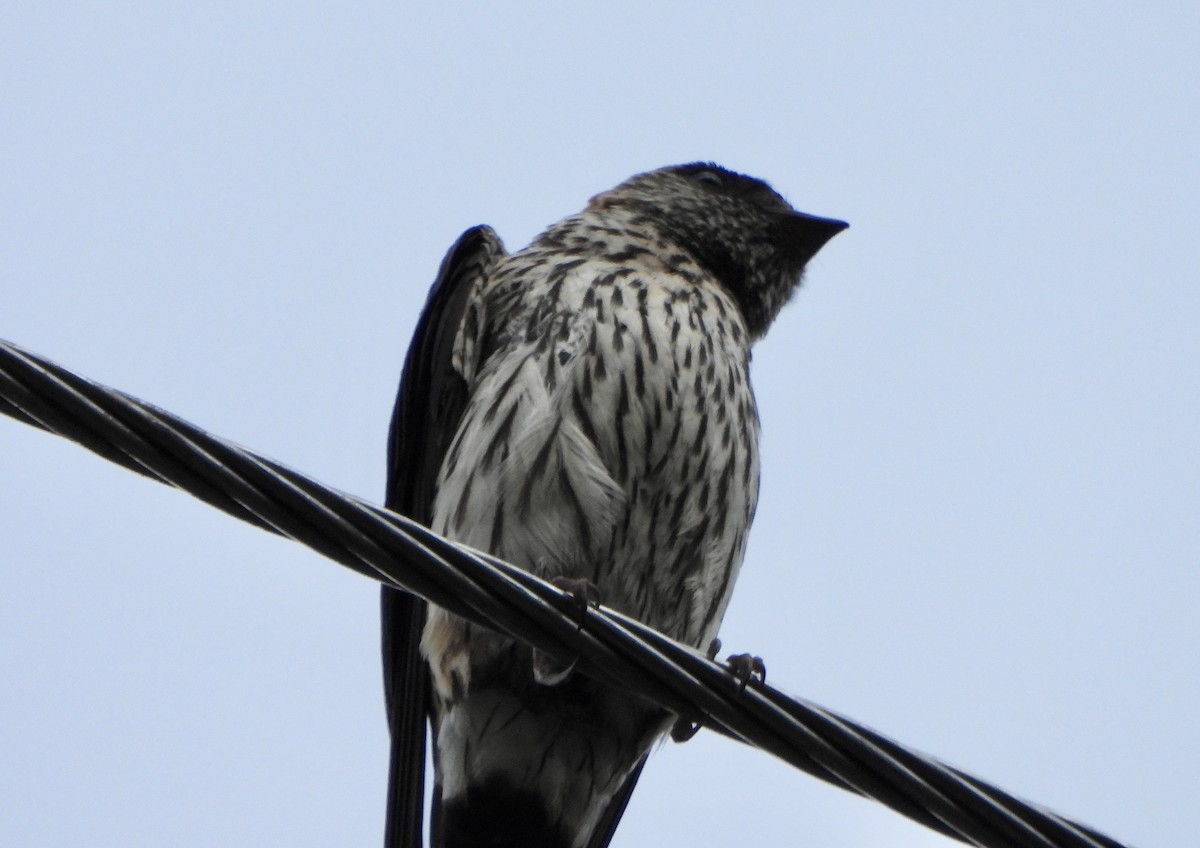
{"points": [[618, 650]]}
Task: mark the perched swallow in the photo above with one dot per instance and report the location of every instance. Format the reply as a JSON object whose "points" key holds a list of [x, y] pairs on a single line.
{"points": [[582, 409]]}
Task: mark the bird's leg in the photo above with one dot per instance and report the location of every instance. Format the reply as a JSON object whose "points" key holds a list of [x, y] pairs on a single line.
{"points": [[547, 669]]}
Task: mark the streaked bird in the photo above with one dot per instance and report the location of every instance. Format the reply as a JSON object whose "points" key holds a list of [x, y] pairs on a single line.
{"points": [[581, 408]]}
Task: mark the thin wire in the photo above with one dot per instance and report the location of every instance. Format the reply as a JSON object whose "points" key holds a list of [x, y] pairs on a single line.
{"points": [[613, 648]]}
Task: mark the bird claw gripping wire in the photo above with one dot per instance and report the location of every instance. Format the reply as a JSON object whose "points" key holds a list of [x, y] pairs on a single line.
{"points": [[552, 671], [747, 667], [744, 667]]}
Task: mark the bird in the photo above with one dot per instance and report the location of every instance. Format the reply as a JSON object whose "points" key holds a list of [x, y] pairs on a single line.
{"points": [[581, 408]]}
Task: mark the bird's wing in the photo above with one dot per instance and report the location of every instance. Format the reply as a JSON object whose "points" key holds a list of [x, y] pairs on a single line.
{"points": [[432, 396]]}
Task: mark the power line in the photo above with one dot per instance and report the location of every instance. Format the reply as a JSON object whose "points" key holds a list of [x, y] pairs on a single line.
{"points": [[618, 650]]}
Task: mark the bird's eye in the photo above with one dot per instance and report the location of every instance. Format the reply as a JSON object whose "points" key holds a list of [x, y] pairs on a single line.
{"points": [[708, 178]]}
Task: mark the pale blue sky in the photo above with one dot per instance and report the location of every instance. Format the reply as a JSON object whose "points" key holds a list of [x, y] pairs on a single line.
{"points": [[979, 526]]}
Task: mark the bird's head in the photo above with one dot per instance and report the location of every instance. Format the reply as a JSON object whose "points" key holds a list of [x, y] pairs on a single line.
{"points": [[737, 227]]}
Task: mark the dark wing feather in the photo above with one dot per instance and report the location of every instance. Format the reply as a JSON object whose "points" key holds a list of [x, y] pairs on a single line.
{"points": [[611, 817], [428, 408]]}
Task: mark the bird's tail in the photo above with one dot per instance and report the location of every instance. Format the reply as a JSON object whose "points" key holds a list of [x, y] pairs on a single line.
{"points": [[406, 691]]}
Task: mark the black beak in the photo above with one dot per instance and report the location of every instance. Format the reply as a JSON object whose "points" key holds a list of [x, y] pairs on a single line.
{"points": [[803, 235]]}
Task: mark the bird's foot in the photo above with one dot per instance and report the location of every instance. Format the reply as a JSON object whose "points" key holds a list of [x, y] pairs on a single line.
{"points": [[744, 667], [549, 670]]}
